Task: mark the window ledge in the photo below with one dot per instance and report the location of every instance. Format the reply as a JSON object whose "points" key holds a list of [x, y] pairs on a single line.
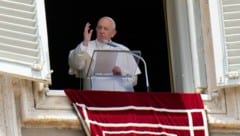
{"points": [[217, 121], [54, 110]]}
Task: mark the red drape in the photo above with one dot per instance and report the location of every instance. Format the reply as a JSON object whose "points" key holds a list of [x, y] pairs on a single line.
{"points": [[141, 113]]}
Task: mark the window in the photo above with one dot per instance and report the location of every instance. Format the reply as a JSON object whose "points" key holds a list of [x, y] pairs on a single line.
{"points": [[65, 31], [225, 23], [24, 48]]}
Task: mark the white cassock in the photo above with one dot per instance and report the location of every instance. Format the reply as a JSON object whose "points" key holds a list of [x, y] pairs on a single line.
{"points": [[97, 69]]}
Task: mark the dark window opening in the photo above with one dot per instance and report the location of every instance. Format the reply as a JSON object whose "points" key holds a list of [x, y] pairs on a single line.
{"points": [[140, 28]]}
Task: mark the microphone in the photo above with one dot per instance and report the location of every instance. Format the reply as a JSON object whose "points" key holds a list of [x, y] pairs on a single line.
{"points": [[109, 43]]}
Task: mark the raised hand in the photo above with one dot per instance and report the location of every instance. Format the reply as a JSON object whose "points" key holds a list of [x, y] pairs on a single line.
{"points": [[87, 34]]}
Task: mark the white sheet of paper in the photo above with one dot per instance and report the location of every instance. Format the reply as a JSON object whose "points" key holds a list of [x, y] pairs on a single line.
{"points": [[104, 61]]}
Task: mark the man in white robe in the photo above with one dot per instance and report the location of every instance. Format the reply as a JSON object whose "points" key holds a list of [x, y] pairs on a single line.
{"points": [[124, 72]]}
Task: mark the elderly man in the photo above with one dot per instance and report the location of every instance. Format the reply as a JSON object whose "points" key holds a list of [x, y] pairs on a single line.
{"points": [[80, 57]]}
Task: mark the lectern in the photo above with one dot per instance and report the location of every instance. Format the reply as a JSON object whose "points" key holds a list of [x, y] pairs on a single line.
{"points": [[100, 70]]}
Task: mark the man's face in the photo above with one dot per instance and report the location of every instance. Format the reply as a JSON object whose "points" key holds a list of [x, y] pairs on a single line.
{"points": [[105, 30]]}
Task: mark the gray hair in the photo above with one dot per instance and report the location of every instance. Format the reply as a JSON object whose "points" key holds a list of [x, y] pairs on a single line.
{"points": [[111, 19]]}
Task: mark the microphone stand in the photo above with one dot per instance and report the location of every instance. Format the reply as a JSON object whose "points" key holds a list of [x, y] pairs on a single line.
{"points": [[145, 68]]}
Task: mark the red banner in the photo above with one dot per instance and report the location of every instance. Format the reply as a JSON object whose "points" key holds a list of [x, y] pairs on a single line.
{"points": [[141, 113]]}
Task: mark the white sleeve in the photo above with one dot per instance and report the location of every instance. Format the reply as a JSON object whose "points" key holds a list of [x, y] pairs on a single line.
{"points": [[77, 59]]}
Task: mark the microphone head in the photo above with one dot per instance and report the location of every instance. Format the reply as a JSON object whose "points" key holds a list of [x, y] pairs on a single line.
{"points": [[109, 43]]}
